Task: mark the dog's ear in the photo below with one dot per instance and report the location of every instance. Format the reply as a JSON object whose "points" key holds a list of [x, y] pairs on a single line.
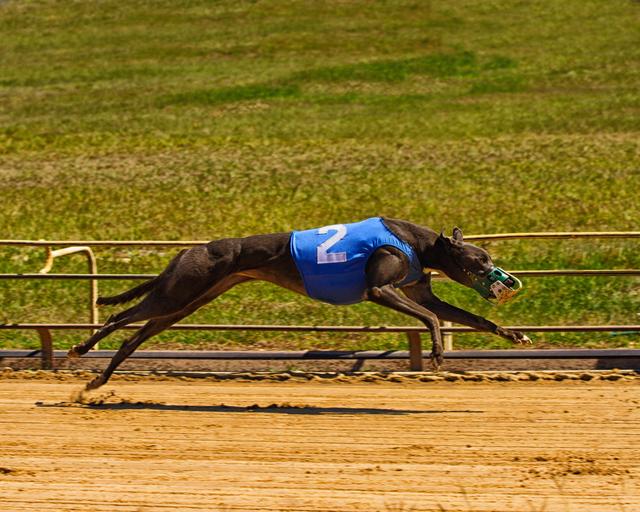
{"points": [[445, 241], [456, 239]]}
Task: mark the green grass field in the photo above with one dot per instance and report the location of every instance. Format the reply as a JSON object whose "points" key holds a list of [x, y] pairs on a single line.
{"points": [[199, 120]]}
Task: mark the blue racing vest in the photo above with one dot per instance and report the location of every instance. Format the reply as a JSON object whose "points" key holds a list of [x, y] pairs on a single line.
{"points": [[332, 259]]}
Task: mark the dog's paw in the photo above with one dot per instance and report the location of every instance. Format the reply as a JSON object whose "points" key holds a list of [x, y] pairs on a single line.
{"points": [[526, 339], [520, 338], [74, 352], [513, 336], [437, 359]]}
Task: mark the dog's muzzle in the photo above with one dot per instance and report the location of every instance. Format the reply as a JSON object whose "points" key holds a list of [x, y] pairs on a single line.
{"points": [[497, 286]]}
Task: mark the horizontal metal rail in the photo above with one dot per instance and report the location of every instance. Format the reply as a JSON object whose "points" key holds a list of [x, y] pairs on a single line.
{"points": [[187, 243], [521, 273], [225, 355], [105, 277], [327, 328], [561, 235]]}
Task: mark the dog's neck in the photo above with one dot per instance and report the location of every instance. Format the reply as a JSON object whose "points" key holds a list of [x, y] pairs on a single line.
{"points": [[423, 240]]}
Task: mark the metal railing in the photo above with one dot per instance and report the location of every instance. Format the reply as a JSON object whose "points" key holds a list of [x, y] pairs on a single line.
{"points": [[415, 353], [412, 333]]}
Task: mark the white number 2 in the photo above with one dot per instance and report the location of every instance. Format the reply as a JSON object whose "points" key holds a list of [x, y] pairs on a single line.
{"points": [[324, 256]]}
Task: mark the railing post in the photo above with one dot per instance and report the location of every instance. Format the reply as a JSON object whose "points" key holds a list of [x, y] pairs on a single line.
{"points": [[46, 349], [447, 337], [93, 269], [415, 351], [357, 365]]}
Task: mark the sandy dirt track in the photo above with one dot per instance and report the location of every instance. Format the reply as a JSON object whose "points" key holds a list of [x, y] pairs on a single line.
{"points": [[319, 446]]}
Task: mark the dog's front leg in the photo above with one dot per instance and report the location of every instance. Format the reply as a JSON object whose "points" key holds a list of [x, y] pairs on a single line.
{"points": [[446, 311], [422, 294], [388, 296], [386, 266]]}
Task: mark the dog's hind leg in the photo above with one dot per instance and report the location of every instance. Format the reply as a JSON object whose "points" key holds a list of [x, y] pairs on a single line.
{"points": [[128, 347], [114, 322], [150, 307], [157, 325], [178, 285]]}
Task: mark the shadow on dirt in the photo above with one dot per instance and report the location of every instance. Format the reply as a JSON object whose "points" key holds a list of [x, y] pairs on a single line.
{"points": [[268, 409]]}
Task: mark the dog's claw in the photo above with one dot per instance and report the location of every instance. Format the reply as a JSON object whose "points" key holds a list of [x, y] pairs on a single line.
{"points": [[523, 339], [95, 383], [515, 336]]}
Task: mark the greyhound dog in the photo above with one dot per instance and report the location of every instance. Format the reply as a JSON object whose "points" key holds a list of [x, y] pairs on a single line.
{"points": [[390, 258]]}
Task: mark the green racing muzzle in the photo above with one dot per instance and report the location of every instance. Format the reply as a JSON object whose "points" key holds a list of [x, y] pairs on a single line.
{"points": [[498, 286]]}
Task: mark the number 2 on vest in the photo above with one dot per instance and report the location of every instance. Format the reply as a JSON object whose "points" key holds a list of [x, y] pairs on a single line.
{"points": [[324, 256]]}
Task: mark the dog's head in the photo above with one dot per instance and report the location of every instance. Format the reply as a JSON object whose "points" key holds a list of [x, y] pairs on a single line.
{"points": [[461, 261], [473, 267]]}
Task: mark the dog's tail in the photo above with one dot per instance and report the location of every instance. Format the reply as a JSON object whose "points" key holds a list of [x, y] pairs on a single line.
{"points": [[134, 293], [141, 289]]}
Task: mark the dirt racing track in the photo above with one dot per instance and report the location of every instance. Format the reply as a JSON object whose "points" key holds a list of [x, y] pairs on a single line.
{"points": [[365, 444]]}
